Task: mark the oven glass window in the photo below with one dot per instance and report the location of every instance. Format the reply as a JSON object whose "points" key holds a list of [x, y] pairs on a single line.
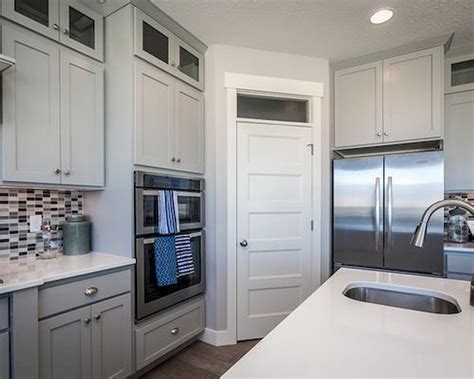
{"points": [[152, 290], [150, 211], [189, 209]]}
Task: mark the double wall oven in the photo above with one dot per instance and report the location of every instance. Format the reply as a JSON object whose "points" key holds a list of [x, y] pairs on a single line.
{"points": [[150, 297]]}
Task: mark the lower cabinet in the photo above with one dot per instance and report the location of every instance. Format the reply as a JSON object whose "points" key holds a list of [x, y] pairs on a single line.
{"points": [[91, 342], [459, 265], [4, 355]]}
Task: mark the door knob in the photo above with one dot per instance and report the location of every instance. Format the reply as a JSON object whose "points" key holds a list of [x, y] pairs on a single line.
{"points": [[244, 243]]}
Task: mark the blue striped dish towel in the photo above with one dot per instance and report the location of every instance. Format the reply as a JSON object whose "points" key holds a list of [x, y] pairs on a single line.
{"points": [[168, 222], [184, 255], [165, 261]]}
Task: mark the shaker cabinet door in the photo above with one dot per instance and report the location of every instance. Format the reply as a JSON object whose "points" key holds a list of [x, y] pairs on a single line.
{"points": [[189, 116], [112, 338], [82, 120], [42, 16], [65, 345], [81, 28], [358, 105], [190, 64], [413, 97], [154, 117], [31, 131]]}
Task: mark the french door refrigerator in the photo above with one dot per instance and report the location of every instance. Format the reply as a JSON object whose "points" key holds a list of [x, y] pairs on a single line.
{"points": [[378, 201]]}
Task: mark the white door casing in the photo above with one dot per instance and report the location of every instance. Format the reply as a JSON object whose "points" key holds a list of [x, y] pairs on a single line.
{"points": [[274, 210]]}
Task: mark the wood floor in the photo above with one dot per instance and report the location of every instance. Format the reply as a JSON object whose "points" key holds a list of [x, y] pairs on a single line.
{"points": [[201, 360]]}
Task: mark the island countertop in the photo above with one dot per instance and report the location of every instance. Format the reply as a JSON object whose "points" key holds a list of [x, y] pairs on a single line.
{"points": [[31, 272], [330, 335]]}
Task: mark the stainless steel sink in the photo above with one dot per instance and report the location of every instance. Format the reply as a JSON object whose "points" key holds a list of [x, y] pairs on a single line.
{"points": [[401, 297]]}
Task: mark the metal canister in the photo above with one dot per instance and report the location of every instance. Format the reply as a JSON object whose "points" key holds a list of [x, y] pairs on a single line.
{"points": [[76, 235]]}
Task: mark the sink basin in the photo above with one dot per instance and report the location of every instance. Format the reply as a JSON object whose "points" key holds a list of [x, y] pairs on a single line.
{"points": [[403, 297]]}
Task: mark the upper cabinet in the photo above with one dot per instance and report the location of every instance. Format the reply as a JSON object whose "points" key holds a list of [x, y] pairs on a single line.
{"points": [[67, 21], [163, 49], [459, 74], [391, 101], [53, 123]]}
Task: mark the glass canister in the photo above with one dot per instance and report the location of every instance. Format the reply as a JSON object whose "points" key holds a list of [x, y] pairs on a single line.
{"points": [[458, 230], [50, 235], [76, 235]]}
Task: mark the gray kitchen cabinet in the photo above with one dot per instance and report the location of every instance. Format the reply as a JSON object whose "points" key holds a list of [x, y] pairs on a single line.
{"points": [[458, 141], [4, 355], [396, 100], [459, 265], [69, 22], [53, 123], [112, 338], [169, 121], [65, 345]]}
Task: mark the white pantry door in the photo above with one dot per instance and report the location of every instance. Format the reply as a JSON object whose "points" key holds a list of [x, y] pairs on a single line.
{"points": [[274, 225]]}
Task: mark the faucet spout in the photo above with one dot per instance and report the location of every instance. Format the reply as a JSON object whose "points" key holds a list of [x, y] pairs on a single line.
{"points": [[418, 238]]}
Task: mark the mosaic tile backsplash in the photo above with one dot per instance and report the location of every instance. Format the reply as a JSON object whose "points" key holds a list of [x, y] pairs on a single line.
{"points": [[16, 205]]}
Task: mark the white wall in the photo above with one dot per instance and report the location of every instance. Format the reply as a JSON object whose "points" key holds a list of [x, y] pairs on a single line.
{"points": [[221, 59]]}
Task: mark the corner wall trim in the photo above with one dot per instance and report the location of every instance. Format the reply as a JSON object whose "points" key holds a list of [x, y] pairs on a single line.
{"points": [[217, 337]]}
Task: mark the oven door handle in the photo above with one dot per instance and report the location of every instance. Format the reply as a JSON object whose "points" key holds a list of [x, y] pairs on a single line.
{"points": [[156, 192], [149, 241]]}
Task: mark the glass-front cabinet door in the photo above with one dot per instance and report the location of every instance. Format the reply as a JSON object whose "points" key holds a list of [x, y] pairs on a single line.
{"points": [[189, 64], [459, 75], [153, 43], [42, 16], [81, 28]]}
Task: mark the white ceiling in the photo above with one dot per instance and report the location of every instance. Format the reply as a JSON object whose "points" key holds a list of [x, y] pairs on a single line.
{"points": [[334, 29]]}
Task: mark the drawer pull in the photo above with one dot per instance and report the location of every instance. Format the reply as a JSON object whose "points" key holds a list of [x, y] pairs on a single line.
{"points": [[174, 331], [91, 291]]}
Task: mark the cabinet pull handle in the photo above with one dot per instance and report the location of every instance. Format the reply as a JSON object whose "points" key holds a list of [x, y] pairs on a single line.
{"points": [[97, 316], [174, 331], [57, 171], [55, 26], [87, 320], [90, 291]]}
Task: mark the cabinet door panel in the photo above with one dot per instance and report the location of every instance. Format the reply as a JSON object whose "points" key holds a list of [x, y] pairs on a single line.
{"points": [[189, 116], [82, 120], [458, 141], [413, 96], [4, 355], [358, 105], [154, 116], [112, 338], [190, 64], [81, 28], [31, 140], [65, 345], [42, 16]]}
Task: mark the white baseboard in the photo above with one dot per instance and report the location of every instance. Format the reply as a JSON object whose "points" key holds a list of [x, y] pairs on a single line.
{"points": [[217, 337]]}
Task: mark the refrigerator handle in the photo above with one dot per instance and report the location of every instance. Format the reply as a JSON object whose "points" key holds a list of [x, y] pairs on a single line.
{"points": [[389, 212], [378, 213]]}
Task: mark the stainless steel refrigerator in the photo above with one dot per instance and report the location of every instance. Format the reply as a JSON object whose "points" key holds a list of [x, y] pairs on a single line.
{"points": [[378, 202]]}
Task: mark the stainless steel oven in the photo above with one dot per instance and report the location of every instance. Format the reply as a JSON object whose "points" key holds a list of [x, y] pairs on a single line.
{"points": [[190, 201], [152, 298]]}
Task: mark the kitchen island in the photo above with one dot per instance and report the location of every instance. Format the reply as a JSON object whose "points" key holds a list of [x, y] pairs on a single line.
{"points": [[330, 335]]}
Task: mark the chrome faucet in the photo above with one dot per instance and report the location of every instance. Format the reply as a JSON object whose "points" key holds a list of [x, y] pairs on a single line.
{"points": [[418, 238]]}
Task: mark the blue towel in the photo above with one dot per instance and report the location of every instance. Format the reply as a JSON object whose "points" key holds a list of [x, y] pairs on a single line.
{"points": [[168, 222], [184, 255], [165, 261]]}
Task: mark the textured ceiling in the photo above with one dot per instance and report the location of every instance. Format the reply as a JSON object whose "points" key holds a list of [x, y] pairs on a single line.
{"points": [[334, 29]]}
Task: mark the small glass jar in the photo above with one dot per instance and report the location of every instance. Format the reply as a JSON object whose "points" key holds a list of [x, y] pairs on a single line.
{"points": [[50, 236]]}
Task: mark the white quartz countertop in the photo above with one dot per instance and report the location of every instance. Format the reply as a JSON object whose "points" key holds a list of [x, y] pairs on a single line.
{"points": [[30, 272], [467, 247], [330, 335]]}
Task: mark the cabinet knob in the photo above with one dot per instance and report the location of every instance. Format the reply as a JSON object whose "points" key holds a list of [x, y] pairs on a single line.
{"points": [[57, 171], [173, 64], [174, 331], [87, 320], [386, 133], [178, 160], [66, 31], [244, 243], [67, 172], [379, 134], [173, 159], [90, 291], [97, 317], [55, 26]]}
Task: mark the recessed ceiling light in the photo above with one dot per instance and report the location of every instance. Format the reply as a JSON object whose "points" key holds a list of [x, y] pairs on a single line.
{"points": [[381, 16]]}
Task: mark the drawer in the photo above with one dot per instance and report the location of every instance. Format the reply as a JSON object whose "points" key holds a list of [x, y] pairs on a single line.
{"points": [[169, 330], [462, 263], [63, 297], [4, 355], [4, 314]]}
